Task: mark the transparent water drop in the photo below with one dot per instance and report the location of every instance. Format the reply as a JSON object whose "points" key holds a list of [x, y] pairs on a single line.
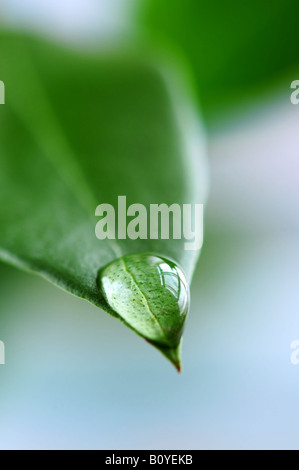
{"points": [[151, 295]]}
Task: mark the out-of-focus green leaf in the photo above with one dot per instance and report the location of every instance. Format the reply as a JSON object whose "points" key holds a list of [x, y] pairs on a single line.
{"points": [[77, 130], [234, 48]]}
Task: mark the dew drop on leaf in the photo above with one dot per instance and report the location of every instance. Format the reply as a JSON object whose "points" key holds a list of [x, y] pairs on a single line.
{"points": [[151, 295]]}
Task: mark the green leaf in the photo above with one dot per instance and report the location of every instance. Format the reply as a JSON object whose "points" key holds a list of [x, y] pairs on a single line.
{"points": [[80, 129], [235, 49]]}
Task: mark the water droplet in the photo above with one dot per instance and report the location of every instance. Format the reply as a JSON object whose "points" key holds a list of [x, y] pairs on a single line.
{"points": [[151, 294]]}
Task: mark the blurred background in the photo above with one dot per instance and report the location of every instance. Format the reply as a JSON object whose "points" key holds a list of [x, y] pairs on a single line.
{"points": [[74, 377]]}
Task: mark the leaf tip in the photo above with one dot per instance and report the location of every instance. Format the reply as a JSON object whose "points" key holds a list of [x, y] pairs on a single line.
{"points": [[172, 354]]}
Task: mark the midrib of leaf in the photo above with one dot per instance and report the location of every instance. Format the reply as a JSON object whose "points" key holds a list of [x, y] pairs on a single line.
{"points": [[52, 142], [152, 315]]}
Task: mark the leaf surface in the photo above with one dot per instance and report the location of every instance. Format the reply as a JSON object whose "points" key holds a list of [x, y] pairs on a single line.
{"points": [[79, 129]]}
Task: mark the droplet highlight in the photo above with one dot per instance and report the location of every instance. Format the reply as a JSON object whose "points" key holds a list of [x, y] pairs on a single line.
{"points": [[151, 295]]}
